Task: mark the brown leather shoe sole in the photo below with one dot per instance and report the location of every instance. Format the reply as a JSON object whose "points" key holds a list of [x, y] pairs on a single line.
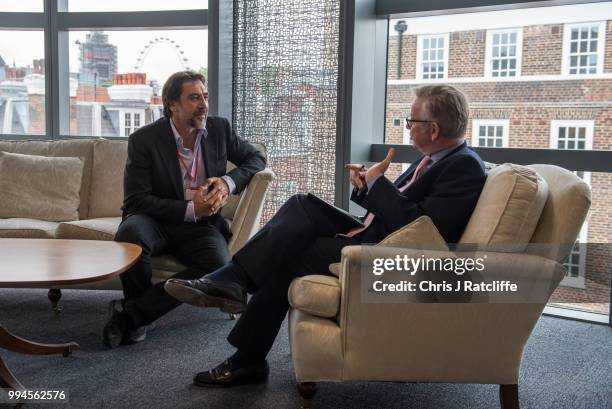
{"points": [[201, 299]]}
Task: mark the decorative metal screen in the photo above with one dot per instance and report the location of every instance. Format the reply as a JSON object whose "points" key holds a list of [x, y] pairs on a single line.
{"points": [[285, 91]]}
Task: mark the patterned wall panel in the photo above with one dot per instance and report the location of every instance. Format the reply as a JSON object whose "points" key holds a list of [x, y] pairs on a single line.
{"points": [[285, 90]]}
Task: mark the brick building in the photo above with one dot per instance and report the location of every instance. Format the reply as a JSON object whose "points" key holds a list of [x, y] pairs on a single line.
{"points": [[535, 78]]}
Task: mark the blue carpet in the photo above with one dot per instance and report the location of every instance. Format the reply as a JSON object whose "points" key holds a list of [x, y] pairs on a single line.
{"points": [[567, 364]]}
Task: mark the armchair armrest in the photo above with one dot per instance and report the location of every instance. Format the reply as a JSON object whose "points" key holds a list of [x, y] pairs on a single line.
{"points": [[433, 341], [248, 212], [316, 295]]}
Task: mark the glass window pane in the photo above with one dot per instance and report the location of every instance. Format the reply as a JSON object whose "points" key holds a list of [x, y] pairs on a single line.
{"points": [[123, 71], [135, 5], [573, 47], [584, 33], [561, 133], [542, 107], [574, 33], [22, 83], [30, 6]]}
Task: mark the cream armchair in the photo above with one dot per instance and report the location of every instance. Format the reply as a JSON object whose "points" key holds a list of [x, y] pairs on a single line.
{"points": [[336, 336]]}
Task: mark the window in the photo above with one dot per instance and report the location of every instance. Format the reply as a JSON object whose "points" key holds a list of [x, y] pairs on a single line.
{"points": [[22, 83], [545, 105], [135, 5], [583, 48], [575, 135], [122, 72], [504, 51], [432, 56], [131, 121], [93, 76], [490, 133], [35, 6]]}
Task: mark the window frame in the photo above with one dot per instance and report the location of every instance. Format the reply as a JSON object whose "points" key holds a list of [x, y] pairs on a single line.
{"points": [[505, 123], [419, 56], [489, 52], [601, 48], [589, 125]]}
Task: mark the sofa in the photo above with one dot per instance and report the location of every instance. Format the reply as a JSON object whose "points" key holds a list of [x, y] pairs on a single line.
{"points": [[98, 196], [525, 224]]}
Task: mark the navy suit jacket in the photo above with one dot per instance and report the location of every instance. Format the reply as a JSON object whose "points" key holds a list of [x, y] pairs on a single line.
{"points": [[447, 192], [153, 184]]}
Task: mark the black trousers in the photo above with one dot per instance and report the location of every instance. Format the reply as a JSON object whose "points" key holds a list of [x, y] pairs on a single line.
{"points": [[199, 246], [299, 240]]}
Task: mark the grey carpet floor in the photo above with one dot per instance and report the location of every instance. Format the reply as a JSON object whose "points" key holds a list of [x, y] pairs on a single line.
{"points": [[567, 364]]}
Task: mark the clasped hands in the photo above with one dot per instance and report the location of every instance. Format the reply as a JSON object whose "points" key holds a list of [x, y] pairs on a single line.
{"points": [[360, 176], [210, 197]]}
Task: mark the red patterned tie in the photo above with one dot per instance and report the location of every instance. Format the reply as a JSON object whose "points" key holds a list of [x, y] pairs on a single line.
{"points": [[370, 217]]}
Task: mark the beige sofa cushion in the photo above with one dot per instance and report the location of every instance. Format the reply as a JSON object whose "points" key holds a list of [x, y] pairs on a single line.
{"points": [[508, 209], [317, 295], [18, 228], [78, 148], [40, 187], [103, 228], [106, 197]]}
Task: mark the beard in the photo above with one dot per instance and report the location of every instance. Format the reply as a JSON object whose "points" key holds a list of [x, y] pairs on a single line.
{"points": [[197, 122]]}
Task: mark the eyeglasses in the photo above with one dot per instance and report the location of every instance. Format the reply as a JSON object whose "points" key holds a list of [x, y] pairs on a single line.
{"points": [[410, 122]]}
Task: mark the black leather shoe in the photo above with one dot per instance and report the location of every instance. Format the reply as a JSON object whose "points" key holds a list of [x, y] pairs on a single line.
{"points": [[226, 375], [139, 334], [117, 327], [227, 296]]}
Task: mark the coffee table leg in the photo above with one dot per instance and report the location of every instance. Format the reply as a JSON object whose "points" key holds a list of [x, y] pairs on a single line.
{"points": [[7, 379], [17, 344]]}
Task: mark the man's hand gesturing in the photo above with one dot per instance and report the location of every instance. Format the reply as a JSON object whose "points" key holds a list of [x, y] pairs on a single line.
{"points": [[360, 175], [357, 175], [211, 197]]}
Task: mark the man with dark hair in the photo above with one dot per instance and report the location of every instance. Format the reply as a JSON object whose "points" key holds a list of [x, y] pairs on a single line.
{"points": [[174, 186], [304, 237]]}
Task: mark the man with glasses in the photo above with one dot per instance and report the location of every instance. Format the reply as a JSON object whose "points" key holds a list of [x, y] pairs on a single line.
{"points": [[304, 237]]}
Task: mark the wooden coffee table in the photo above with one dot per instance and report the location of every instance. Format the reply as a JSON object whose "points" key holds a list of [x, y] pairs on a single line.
{"points": [[52, 263]]}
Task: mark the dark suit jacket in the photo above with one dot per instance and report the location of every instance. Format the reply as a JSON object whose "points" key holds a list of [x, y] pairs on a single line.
{"points": [[152, 180], [447, 192]]}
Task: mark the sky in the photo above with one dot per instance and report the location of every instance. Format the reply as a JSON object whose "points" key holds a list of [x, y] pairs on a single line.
{"points": [[161, 61]]}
